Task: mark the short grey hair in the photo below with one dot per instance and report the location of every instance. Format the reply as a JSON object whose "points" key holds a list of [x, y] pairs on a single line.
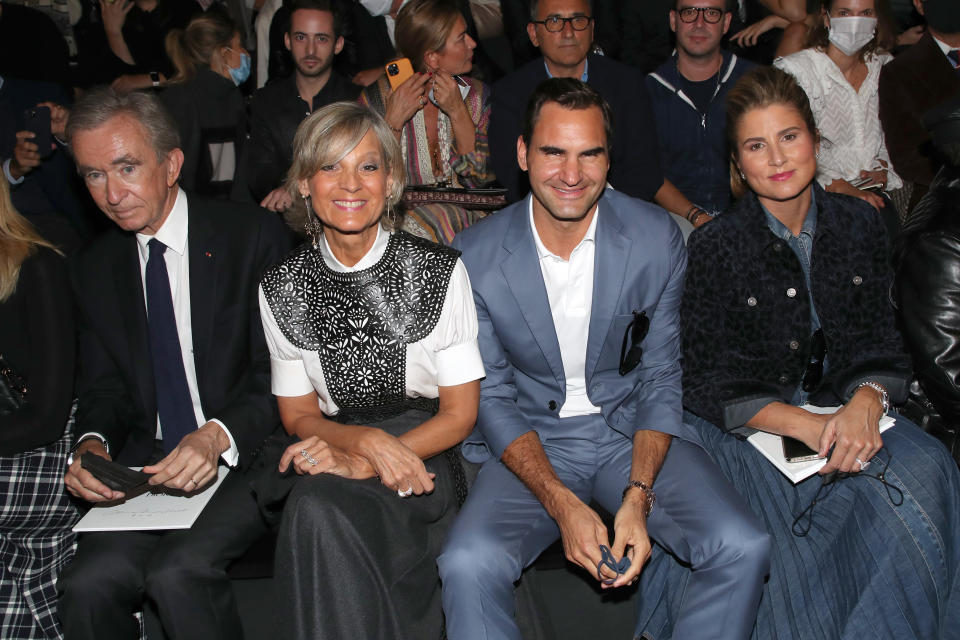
{"points": [[324, 138], [535, 6], [99, 105]]}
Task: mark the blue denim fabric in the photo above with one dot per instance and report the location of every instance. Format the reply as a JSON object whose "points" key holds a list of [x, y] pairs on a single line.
{"points": [[867, 568], [802, 247]]}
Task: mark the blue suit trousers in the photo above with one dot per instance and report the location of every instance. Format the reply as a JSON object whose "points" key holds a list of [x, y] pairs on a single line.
{"points": [[698, 517]]}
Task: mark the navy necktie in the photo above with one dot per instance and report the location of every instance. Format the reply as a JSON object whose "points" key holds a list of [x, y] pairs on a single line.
{"points": [[954, 56], [174, 404]]}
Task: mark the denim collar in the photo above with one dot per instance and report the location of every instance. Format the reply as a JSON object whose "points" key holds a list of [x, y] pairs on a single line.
{"points": [[809, 223]]}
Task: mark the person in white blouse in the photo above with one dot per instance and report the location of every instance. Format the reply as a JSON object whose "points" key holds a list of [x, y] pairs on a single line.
{"points": [[840, 71], [374, 358]]}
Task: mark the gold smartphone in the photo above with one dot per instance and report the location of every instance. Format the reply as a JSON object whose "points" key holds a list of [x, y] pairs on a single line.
{"points": [[398, 72]]}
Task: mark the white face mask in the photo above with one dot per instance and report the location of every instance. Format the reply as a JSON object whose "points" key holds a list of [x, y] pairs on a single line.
{"points": [[852, 33], [377, 7]]}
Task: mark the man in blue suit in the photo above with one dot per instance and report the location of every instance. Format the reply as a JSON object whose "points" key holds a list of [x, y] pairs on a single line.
{"points": [[578, 292]]}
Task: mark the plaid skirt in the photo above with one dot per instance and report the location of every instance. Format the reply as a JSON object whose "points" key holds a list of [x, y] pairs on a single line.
{"points": [[36, 540]]}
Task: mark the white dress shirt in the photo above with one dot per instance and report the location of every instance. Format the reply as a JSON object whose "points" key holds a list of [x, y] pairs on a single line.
{"points": [[449, 355], [849, 120], [173, 233], [569, 286]]}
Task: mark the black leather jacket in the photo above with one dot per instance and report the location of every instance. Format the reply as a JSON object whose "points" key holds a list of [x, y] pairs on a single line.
{"points": [[926, 292]]}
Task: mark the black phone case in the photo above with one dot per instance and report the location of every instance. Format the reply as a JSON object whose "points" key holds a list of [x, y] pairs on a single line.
{"points": [[114, 475], [37, 120], [796, 451]]}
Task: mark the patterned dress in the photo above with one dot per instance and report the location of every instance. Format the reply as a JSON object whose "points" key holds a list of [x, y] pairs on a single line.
{"points": [[440, 222]]}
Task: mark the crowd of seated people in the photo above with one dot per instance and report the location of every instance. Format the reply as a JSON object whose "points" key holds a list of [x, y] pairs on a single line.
{"points": [[277, 256]]}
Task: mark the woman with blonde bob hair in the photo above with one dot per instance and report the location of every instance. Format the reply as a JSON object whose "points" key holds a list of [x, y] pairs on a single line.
{"points": [[37, 344], [373, 344], [788, 334]]}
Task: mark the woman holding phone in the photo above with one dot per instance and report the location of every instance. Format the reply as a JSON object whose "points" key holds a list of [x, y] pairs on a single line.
{"points": [[439, 116], [786, 305]]}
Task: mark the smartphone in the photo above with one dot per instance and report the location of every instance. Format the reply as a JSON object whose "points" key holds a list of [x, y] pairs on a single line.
{"points": [[398, 72], [795, 451], [37, 120]]}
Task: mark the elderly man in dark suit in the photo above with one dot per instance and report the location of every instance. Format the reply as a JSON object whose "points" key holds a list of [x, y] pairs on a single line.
{"points": [[174, 373]]}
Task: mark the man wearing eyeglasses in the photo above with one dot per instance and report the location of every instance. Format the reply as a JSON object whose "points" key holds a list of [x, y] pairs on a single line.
{"points": [[687, 93], [577, 290], [563, 31]]}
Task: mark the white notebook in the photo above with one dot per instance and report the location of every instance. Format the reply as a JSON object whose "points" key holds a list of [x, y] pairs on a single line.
{"points": [[771, 446], [150, 511]]}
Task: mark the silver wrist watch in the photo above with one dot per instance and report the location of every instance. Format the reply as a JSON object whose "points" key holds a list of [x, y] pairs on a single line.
{"points": [[91, 436]]}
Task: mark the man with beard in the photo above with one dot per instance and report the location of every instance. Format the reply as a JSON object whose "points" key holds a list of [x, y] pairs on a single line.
{"points": [[313, 39]]}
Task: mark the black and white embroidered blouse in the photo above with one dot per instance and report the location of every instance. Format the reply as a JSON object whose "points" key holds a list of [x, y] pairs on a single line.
{"points": [[399, 323]]}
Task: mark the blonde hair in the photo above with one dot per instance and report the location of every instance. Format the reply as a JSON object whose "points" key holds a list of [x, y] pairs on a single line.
{"points": [[424, 26], [195, 46], [325, 138], [18, 241]]}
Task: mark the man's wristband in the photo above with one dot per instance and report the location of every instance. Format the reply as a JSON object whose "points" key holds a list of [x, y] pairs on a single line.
{"points": [[693, 213], [649, 496]]}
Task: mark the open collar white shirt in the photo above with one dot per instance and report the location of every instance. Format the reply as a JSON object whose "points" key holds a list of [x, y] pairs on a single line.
{"points": [[569, 285]]}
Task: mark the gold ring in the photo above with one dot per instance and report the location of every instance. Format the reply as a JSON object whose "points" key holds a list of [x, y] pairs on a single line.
{"points": [[422, 101]]}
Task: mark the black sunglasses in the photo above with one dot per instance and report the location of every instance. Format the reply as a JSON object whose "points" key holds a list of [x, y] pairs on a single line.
{"points": [[813, 374], [635, 333]]}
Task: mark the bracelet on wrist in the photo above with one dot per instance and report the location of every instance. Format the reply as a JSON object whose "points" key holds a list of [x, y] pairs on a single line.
{"points": [[884, 396], [649, 496]]}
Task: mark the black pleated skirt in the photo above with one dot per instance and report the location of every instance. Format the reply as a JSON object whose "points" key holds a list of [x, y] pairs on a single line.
{"points": [[354, 560]]}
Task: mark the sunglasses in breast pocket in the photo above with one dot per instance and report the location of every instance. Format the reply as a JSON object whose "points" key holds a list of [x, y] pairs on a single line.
{"points": [[631, 353]]}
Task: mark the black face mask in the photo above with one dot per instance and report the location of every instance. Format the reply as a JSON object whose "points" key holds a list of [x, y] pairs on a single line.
{"points": [[943, 15]]}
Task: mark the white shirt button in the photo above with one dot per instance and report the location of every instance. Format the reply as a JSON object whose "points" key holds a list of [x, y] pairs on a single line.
{"points": [[791, 293], [751, 301]]}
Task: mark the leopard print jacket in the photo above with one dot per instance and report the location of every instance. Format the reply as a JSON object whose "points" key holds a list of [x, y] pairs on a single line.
{"points": [[746, 310]]}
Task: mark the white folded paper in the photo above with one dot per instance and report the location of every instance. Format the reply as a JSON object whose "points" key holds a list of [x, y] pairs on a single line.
{"points": [[771, 446], [150, 511]]}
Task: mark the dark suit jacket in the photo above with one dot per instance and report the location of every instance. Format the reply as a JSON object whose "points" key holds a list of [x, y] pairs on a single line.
{"points": [[911, 84], [229, 247], [634, 163], [639, 266]]}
